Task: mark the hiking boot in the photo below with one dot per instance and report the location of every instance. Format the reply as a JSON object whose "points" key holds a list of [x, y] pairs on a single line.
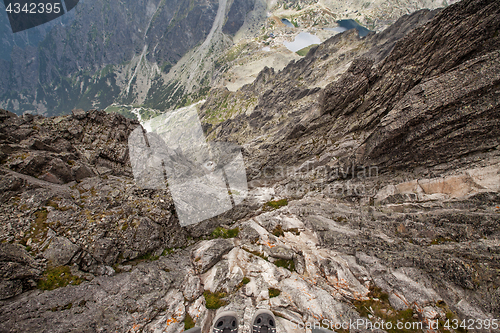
{"points": [[263, 322], [226, 322]]}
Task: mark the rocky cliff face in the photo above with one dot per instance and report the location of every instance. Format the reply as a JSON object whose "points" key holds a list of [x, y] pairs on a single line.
{"points": [[301, 119], [373, 167]]}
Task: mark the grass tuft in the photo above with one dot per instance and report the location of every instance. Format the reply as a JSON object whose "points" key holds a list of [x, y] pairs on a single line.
{"points": [[449, 316], [244, 281], [378, 306], [294, 231], [288, 264], [272, 205], [214, 300], [278, 231], [220, 232], [57, 277], [167, 251], [39, 227], [148, 257], [258, 254], [188, 322], [441, 240], [273, 292]]}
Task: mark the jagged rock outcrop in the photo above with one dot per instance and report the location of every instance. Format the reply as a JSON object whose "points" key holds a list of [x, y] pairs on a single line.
{"points": [[290, 105], [66, 149], [68, 195], [300, 120], [424, 116], [422, 262], [18, 270], [428, 126], [129, 301]]}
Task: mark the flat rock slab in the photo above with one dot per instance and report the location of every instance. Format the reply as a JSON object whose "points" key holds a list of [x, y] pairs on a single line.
{"points": [[207, 253]]}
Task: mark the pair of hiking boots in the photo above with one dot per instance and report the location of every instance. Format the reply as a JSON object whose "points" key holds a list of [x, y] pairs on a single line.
{"points": [[226, 322]]}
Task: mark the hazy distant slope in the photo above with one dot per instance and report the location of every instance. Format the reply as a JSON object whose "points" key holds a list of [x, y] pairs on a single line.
{"points": [[70, 64]]}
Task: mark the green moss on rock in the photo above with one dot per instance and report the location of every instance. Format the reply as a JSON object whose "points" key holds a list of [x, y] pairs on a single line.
{"points": [[188, 322], [288, 264], [214, 300], [220, 232], [378, 306], [58, 277], [273, 292], [272, 205]]}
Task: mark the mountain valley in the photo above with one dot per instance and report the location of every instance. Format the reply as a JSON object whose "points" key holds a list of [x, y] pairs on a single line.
{"points": [[166, 54]]}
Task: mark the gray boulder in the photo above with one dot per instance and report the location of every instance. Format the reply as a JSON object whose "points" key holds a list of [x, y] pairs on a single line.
{"points": [[208, 253], [60, 251], [18, 270]]}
